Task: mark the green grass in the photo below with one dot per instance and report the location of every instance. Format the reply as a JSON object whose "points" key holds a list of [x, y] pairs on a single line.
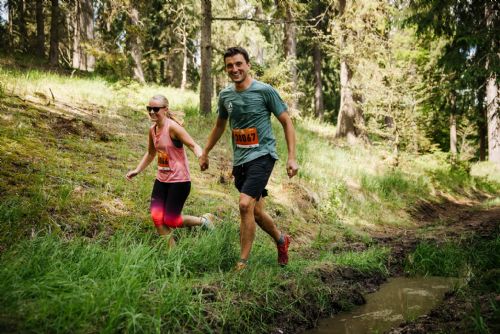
{"points": [[370, 260], [443, 260], [396, 187], [477, 260], [78, 252], [131, 282], [126, 283]]}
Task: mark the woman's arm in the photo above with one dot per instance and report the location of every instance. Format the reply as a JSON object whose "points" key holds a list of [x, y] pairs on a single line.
{"points": [[179, 133], [146, 159]]}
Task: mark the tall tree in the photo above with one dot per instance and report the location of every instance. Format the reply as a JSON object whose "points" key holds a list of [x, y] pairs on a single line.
{"points": [[317, 55], [83, 35], [290, 48], [183, 27], [319, 108], [54, 34], [23, 31], [135, 44], [206, 58], [472, 51], [453, 125], [10, 29], [482, 134], [350, 119], [493, 115], [40, 29]]}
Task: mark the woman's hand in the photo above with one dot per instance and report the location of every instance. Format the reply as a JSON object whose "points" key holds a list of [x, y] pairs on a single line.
{"points": [[131, 174]]}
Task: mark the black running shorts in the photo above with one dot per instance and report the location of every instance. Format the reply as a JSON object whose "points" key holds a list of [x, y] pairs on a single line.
{"points": [[251, 177]]}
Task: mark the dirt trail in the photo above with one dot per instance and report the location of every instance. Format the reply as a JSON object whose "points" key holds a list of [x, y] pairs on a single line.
{"points": [[434, 222], [441, 222]]}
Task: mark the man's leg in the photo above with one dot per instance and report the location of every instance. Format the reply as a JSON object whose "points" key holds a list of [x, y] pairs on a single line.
{"points": [[267, 224], [265, 221], [247, 225]]}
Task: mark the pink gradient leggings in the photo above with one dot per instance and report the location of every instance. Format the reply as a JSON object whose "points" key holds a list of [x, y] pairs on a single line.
{"points": [[167, 201]]}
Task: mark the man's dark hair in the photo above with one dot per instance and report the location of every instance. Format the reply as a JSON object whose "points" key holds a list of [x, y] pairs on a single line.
{"points": [[236, 50]]}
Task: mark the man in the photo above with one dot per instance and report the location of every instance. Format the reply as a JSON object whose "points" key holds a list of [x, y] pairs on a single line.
{"points": [[248, 105]]}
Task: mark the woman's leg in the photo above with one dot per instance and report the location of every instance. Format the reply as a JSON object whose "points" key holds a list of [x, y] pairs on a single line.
{"points": [[166, 233], [189, 221], [157, 209], [176, 198]]}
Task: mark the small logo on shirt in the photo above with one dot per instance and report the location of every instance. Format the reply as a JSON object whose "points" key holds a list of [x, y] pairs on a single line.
{"points": [[229, 107]]}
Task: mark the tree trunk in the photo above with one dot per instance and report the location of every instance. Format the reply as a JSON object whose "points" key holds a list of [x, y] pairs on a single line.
{"points": [[23, 32], [184, 61], [163, 66], [318, 85], [317, 55], [83, 36], [482, 133], [492, 113], [54, 34], [40, 30], [290, 47], [10, 4], [350, 120], [493, 119], [453, 135], [206, 58], [347, 113], [136, 46], [87, 29], [453, 125], [76, 35]]}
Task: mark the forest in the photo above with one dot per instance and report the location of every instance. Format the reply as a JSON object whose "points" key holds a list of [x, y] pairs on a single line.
{"points": [[395, 106]]}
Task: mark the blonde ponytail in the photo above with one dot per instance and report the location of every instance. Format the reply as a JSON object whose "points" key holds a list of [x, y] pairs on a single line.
{"points": [[170, 114]]}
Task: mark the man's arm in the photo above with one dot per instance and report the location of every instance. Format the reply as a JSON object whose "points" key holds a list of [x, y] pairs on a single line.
{"points": [[291, 165], [213, 138]]}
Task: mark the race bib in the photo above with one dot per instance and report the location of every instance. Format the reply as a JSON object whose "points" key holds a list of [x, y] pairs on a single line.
{"points": [[163, 164], [246, 138]]}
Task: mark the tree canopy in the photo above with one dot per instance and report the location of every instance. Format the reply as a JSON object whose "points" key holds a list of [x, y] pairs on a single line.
{"points": [[417, 75]]}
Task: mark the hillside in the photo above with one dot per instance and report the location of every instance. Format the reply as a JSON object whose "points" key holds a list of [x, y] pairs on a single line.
{"points": [[80, 254]]}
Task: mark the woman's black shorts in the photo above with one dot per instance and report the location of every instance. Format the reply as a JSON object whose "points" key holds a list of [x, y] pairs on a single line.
{"points": [[251, 177]]}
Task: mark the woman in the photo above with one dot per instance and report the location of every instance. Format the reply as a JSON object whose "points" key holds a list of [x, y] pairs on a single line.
{"points": [[173, 183]]}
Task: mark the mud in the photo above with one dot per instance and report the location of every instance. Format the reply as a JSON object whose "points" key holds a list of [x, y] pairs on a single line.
{"points": [[456, 315], [434, 222], [346, 289]]}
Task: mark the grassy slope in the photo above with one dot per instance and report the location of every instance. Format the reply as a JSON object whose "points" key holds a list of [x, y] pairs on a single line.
{"points": [[79, 252]]}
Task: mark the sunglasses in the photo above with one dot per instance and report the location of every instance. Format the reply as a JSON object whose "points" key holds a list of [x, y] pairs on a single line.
{"points": [[154, 109]]}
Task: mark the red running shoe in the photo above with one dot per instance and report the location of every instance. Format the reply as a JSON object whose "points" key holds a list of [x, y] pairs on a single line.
{"points": [[283, 251]]}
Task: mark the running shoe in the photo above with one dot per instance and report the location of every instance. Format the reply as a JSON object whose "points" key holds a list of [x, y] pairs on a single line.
{"points": [[207, 221], [283, 251], [240, 265]]}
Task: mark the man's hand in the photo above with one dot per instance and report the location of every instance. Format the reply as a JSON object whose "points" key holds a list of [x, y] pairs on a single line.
{"points": [[292, 168], [203, 161]]}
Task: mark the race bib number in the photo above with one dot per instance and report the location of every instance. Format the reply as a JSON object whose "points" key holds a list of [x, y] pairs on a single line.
{"points": [[163, 164], [246, 138]]}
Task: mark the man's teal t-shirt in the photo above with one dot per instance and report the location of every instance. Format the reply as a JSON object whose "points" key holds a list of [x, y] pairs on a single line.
{"points": [[249, 114]]}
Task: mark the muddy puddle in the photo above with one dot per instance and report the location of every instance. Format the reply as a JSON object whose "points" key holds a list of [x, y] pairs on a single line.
{"points": [[398, 300]]}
